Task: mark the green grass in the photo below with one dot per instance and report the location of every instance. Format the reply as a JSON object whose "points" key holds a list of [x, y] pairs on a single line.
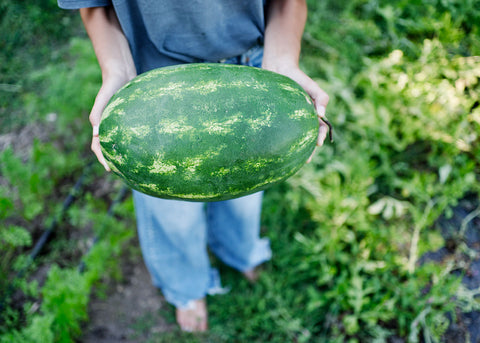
{"points": [[347, 231], [32, 35]]}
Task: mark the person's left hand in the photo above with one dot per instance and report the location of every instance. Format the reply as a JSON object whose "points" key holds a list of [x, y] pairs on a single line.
{"points": [[319, 96]]}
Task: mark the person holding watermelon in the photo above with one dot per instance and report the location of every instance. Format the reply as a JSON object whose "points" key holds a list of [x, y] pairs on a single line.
{"points": [[132, 37]]}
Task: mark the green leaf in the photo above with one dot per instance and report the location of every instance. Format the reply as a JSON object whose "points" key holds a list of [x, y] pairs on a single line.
{"points": [[15, 236]]}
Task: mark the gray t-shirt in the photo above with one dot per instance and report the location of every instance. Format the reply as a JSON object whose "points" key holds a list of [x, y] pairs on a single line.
{"points": [[166, 32]]}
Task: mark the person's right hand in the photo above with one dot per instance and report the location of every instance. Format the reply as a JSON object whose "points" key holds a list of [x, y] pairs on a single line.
{"points": [[109, 86], [114, 58]]}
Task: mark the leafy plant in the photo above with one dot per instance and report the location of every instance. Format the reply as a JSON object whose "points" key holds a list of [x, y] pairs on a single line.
{"points": [[348, 231], [30, 34]]}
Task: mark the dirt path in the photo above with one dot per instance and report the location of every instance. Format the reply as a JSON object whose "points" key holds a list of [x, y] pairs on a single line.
{"points": [[130, 313]]}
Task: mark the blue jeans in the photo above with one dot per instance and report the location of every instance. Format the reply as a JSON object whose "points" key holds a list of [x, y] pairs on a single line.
{"points": [[174, 235]]}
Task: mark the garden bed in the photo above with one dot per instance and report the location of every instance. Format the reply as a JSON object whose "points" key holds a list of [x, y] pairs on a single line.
{"points": [[376, 240]]}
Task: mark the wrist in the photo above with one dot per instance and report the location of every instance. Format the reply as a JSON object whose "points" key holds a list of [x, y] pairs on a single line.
{"points": [[118, 73], [281, 65]]}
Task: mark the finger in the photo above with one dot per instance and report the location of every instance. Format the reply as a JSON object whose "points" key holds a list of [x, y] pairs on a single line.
{"points": [[319, 96], [322, 132], [101, 101], [311, 156], [95, 131], [103, 97], [320, 110], [96, 148], [323, 120], [98, 152]]}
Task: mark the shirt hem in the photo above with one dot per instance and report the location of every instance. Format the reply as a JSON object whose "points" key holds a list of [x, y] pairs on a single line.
{"points": [[76, 4]]}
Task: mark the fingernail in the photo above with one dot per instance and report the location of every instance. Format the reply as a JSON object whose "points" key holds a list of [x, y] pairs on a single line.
{"points": [[321, 110], [95, 130]]}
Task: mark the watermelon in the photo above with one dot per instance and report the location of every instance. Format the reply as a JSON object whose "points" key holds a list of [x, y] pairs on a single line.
{"points": [[207, 132]]}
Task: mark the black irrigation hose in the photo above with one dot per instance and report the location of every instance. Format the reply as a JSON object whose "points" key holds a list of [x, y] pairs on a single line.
{"points": [[69, 200], [120, 197]]}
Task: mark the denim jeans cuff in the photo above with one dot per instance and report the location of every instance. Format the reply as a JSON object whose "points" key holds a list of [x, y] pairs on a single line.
{"points": [[214, 287]]}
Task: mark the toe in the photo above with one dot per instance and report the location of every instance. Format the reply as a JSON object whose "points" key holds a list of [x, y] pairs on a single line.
{"points": [[193, 318]]}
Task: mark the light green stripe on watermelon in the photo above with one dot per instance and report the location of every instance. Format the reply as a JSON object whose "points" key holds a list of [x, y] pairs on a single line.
{"points": [[299, 114], [293, 89], [114, 158], [113, 104], [226, 126], [265, 119], [303, 141], [168, 193], [109, 136], [141, 131], [174, 89], [179, 126], [160, 167], [206, 132]]}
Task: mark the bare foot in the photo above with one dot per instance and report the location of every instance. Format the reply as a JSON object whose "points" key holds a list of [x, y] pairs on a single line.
{"points": [[252, 275], [194, 317]]}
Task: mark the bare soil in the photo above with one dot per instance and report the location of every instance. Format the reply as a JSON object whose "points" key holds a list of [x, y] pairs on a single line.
{"points": [[132, 311]]}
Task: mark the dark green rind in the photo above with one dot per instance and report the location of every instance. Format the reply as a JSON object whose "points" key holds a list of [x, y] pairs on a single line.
{"points": [[208, 132]]}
